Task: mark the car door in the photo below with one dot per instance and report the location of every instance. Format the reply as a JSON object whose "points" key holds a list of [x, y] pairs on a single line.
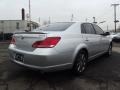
{"points": [[91, 39], [104, 42]]}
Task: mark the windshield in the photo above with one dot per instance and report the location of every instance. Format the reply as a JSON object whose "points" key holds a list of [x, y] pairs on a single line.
{"points": [[55, 27]]}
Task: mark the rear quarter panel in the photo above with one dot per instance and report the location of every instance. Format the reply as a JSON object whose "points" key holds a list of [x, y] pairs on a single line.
{"points": [[69, 46]]}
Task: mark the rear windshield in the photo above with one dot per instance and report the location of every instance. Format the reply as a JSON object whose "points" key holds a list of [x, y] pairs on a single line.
{"points": [[56, 27]]}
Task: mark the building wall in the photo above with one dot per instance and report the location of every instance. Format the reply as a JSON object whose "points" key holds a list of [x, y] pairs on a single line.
{"points": [[10, 26]]}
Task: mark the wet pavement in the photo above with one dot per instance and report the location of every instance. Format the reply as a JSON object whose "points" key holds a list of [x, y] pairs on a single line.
{"points": [[101, 74]]}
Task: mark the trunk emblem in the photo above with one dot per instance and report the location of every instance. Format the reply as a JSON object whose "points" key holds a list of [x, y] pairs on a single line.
{"points": [[22, 37]]}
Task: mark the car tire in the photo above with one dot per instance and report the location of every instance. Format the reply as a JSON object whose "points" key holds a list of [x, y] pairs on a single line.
{"points": [[80, 62], [109, 52]]}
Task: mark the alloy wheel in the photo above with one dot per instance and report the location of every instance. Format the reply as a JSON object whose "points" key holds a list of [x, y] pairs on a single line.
{"points": [[80, 64]]}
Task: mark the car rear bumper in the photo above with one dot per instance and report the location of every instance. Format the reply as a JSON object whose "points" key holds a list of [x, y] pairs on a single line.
{"points": [[44, 60], [45, 69]]}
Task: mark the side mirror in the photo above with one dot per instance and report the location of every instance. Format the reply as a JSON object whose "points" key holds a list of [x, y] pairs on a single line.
{"points": [[106, 34]]}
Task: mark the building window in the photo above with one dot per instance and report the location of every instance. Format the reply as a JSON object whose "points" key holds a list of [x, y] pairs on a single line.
{"points": [[17, 25]]}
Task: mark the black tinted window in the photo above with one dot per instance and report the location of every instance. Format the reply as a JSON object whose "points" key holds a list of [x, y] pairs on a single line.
{"points": [[56, 27], [98, 29], [89, 29], [82, 29]]}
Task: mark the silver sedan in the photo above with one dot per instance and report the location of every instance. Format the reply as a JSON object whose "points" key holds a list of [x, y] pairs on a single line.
{"points": [[58, 46]]}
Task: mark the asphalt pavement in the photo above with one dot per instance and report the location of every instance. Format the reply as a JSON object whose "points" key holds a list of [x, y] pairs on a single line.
{"points": [[103, 73]]}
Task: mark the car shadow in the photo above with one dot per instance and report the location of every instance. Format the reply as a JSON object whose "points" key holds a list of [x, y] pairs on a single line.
{"points": [[102, 68]]}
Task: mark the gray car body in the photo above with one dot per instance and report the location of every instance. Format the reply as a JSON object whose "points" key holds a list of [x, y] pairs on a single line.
{"points": [[63, 55]]}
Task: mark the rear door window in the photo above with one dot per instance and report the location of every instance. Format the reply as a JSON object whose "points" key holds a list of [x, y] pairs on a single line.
{"points": [[82, 29], [88, 28]]}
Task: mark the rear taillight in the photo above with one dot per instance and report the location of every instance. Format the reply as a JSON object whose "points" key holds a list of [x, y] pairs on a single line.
{"points": [[49, 42], [13, 40]]}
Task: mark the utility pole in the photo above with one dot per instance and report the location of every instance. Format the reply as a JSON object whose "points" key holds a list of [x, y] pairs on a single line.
{"points": [[39, 21], [2, 22], [49, 21], [115, 21], [30, 14], [27, 16], [94, 20], [86, 20], [72, 17], [107, 28]]}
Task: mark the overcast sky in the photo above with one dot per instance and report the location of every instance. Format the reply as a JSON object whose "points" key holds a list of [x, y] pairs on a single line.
{"points": [[61, 10]]}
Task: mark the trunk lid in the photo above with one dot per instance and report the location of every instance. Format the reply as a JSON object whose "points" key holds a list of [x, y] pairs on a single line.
{"points": [[24, 40]]}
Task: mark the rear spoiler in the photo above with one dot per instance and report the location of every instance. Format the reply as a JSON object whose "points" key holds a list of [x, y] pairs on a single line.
{"points": [[29, 33]]}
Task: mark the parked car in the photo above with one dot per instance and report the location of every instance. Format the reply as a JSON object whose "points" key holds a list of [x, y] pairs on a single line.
{"points": [[115, 37], [62, 45], [112, 35]]}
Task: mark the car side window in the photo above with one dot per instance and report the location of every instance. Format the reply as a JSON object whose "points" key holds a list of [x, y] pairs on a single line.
{"points": [[98, 29], [89, 28], [82, 29]]}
